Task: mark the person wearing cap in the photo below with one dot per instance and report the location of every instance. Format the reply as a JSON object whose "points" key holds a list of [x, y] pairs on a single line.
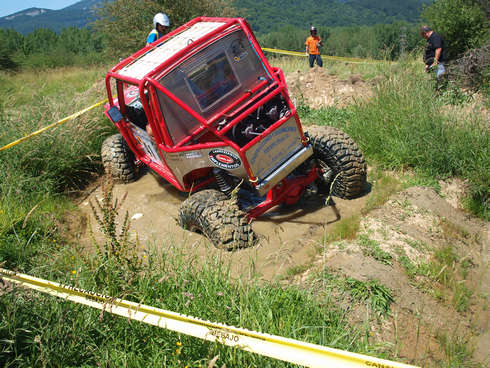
{"points": [[161, 23], [434, 54], [313, 44]]}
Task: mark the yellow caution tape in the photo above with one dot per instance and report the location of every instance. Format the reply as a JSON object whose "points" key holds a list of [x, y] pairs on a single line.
{"points": [[336, 58], [62, 121], [277, 51], [284, 52], [289, 350]]}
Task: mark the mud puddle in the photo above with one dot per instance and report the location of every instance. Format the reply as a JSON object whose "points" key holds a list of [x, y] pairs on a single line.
{"points": [[288, 236]]}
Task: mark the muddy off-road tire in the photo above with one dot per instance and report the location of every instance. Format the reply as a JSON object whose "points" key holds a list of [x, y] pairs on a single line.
{"points": [[118, 159], [212, 213], [340, 153]]}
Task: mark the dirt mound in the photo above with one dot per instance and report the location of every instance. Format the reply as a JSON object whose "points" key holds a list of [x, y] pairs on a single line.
{"points": [[434, 258], [317, 88]]}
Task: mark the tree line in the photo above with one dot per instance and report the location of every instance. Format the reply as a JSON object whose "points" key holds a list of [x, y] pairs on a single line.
{"points": [[46, 48], [121, 28], [381, 41]]}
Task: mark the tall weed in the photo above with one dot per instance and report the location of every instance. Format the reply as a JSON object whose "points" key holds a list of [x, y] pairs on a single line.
{"points": [[116, 262], [36, 172], [38, 330], [408, 124]]}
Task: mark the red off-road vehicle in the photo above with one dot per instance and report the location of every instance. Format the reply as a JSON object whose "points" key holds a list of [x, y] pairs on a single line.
{"points": [[203, 109]]}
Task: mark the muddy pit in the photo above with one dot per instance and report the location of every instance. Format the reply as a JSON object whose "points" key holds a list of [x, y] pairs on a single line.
{"points": [[412, 223], [288, 237]]}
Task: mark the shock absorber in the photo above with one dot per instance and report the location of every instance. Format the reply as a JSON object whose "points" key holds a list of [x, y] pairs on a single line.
{"points": [[221, 180]]}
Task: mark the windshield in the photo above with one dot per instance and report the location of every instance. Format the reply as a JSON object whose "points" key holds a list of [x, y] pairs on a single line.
{"points": [[209, 81], [212, 80]]}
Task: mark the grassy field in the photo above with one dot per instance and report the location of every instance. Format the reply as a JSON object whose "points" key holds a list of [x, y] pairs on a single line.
{"points": [[404, 126], [412, 125]]}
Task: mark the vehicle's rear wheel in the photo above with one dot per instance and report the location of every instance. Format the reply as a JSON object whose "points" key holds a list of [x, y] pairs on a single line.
{"points": [[118, 159], [212, 213], [336, 153]]}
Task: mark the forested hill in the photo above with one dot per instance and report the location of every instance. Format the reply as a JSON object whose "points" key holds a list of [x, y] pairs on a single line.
{"points": [[270, 15], [76, 15], [264, 15]]}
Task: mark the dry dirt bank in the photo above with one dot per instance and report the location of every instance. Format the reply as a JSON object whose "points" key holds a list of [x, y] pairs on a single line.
{"points": [[318, 88]]}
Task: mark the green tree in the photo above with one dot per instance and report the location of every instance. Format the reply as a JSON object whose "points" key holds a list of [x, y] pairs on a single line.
{"points": [[381, 41], [41, 40], [79, 40], [125, 24], [11, 40], [287, 38], [463, 23], [6, 62]]}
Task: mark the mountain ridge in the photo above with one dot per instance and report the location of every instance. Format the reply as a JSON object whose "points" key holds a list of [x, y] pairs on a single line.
{"points": [[25, 21], [27, 12]]}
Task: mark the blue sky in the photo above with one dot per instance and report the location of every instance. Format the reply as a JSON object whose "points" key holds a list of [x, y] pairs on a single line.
{"points": [[8, 7]]}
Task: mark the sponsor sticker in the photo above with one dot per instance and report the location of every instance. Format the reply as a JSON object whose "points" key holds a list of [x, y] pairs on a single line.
{"points": [[146, 143], [224, 159], [194, 154]]}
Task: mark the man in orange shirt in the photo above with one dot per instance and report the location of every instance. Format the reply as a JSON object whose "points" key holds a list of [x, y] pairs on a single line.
{"points": [[313, 44]]}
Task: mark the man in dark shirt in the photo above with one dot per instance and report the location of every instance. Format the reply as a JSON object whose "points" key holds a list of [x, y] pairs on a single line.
{"points": [[434, 55]]}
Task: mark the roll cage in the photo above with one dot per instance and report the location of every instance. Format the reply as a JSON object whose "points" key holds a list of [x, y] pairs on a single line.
{"points": [[160, 82]]}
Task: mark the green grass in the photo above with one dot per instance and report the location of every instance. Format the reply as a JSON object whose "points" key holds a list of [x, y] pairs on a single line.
{"points": [[443, 276], [372, 249], [406, 126], [61, 158], [37, 174], [378, 296], [296, 270], [458, 351], [345, 228], [58, 59], [38, 330], [408, 265], [340, 68], [384, 185], [370, 292]]}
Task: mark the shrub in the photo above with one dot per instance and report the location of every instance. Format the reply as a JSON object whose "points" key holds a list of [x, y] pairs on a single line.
{"points": [[463, 24]]}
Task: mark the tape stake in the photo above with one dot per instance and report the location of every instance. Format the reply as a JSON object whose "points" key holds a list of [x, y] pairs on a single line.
{"points": [[59, 122], [277, 347]]}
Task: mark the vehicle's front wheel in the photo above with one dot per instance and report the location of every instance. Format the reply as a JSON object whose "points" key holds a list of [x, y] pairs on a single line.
{"points": [[212, 213], [118, 159], [337, 154]]}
